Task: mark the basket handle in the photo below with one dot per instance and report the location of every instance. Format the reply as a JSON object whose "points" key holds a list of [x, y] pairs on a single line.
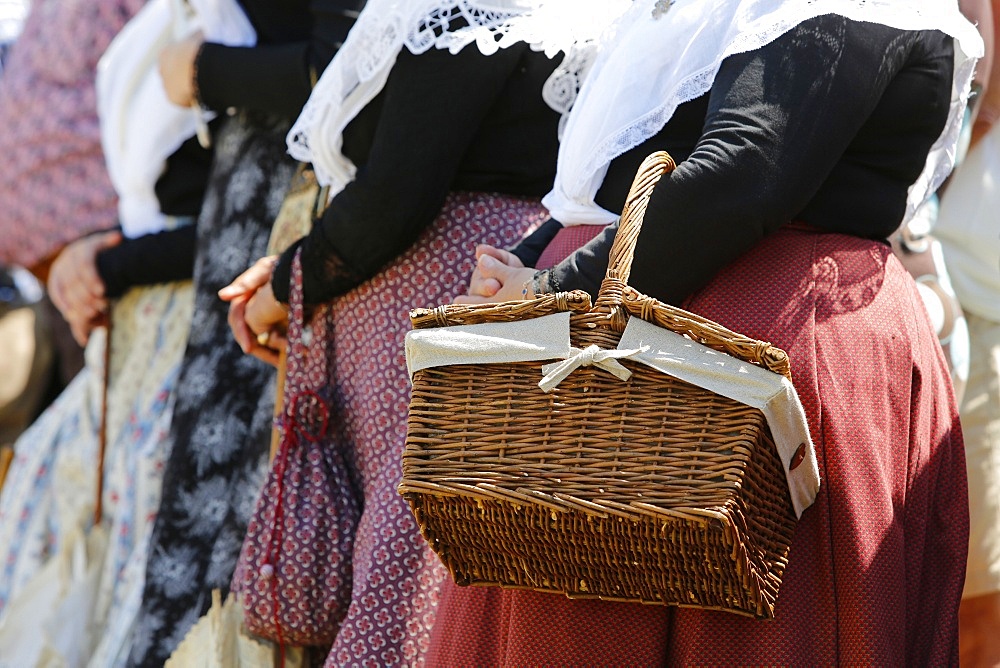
{"points": [[623, 249], [620, 300]]}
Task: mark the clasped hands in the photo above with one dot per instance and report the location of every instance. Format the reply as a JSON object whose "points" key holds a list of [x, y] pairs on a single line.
{"points": [[499, 276], [258, 320]]}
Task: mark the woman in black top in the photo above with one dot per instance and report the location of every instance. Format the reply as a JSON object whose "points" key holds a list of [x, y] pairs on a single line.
{"points": [[94, 269], [792, 171], [222, 415], [455, 150]]}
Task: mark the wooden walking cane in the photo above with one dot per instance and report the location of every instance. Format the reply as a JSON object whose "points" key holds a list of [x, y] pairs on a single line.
{"points": [[102, 431], [6, 457]]}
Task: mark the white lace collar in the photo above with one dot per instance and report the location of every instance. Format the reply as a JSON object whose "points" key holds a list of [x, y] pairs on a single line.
{"points": [[664, 53], [360, 69]]}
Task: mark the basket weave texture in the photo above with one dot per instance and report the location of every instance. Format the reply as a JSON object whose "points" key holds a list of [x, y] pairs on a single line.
{"points": [[649, 490]]}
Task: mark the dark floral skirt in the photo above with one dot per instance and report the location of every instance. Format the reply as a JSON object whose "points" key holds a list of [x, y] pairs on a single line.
{"points": [[222, 420]]}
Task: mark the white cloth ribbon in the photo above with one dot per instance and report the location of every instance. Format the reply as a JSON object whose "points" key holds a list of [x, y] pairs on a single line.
{"points": [[771, 393], [533, 340], [547, 338], [556, 372]]}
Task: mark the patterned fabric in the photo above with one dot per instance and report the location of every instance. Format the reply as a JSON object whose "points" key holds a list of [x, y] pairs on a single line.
{"points": [[294, 571], [50, 489], [396, 576], [877, 563], [565, 242], [53, 183], [222, 422]]}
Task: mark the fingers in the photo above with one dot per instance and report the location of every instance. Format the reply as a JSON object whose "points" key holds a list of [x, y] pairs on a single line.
{"points": [[87, 290], [481, 286], [506, 257], [490, 268], [105, 240], [277, 341], [81, 328], [251, 280], [266, 355], [245, 338], [80, 289], [512, 283], [264, 313], [490, 276], [75, 285], [473, 299], [80, 331]]}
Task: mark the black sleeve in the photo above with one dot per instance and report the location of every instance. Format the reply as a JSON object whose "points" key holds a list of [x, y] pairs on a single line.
{"points": [[147, 260], [184, 180], [433, 107], [530, 248], [273, 78], [779, 119]]}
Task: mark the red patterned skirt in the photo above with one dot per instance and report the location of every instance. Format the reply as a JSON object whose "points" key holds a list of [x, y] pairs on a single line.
{"points": [[877, 564], [396, 577]]}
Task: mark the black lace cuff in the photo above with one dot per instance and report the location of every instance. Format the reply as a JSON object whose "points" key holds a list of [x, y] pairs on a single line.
{"points": [[281, 274], [325, 274], [544, 283]]}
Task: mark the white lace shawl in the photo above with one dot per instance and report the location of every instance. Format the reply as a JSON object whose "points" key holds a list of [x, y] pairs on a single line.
{"points": [[648, 66], [360, 68], [140, 127]]}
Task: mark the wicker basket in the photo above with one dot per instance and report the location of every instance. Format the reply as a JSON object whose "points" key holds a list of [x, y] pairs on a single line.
{"points": [[651, 490]]}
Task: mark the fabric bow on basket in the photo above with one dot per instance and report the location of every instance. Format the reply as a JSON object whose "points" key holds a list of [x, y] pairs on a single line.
{"points": [[556, 372]]}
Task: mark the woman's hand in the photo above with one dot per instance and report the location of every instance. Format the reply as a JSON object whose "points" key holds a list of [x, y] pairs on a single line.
{"points": [[258, 320], [177, 69], [499, 276], [75, 286]]}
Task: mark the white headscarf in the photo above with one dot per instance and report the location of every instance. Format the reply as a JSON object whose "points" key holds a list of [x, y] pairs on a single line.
{"points": [[140, 127], [654, 60], [360, 69]]}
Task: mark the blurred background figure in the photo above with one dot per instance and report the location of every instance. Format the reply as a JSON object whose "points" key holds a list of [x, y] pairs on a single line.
{"points": [[53, 185], [221, 427], [20, 323], [915, 243], [125, 292], [12, 13], [969, 230]]}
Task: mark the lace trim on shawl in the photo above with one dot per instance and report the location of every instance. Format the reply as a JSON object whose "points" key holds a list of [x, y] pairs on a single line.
{"points": [[360, 68], [769, 19]]}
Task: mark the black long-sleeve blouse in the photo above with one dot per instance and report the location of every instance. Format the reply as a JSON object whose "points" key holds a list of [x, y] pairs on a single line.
{"points": [[828, 125], [442, 122], [296, 39], [295, 42]]}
